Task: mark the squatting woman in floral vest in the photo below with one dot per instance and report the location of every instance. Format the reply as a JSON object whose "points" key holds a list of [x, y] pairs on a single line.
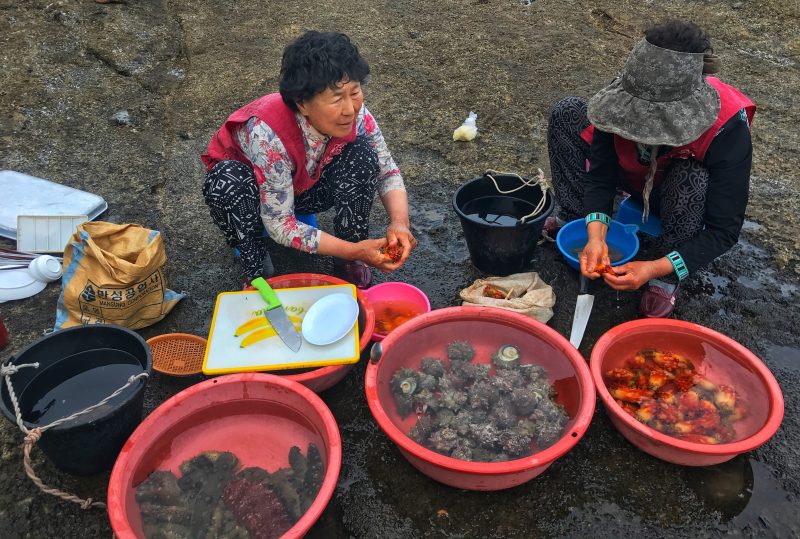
{"points": [[310, 147]]}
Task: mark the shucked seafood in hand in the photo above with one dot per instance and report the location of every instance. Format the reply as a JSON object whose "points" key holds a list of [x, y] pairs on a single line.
{"points": [[664, 391], [214, 499], [393, 253], [487, 412]]}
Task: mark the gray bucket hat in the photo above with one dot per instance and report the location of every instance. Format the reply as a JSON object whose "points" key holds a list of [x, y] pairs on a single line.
{"points": [[661, 98]]}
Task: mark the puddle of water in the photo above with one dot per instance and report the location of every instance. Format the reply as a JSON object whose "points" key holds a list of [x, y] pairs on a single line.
{"points": [[749, 282], [751, 251], [770, 508], [719, 283], [436, 236], [726, 488], [427, 218], [788, 290], [784, 356], [761, 276], [746, 494]]}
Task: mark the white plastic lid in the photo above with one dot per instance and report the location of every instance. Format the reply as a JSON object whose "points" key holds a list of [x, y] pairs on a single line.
{"points": [[19, 284]]}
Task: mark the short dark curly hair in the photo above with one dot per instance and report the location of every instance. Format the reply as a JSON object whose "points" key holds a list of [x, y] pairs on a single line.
{"points": [[316, 61], [681, 36]]}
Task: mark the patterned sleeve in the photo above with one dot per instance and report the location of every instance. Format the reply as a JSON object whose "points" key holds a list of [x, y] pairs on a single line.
{"points": [[390, 177], [273, 169]]}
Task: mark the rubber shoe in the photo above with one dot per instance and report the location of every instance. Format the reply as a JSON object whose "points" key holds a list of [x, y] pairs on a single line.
{"points": [[551, 227], [355, 272], [658, 300]]}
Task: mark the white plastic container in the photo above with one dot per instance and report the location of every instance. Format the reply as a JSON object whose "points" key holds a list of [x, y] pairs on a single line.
{"points": [[28, 195]]}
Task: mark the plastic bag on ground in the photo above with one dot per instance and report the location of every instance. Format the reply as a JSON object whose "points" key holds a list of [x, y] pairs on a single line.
{"points": [[524, 293]]}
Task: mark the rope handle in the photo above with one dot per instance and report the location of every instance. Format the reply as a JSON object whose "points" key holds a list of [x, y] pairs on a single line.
{"points": [[33, 435], [30, 440], [541, 181]]}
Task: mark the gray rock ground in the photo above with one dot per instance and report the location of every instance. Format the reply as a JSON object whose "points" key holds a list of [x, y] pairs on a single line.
{"points": [[120, 98]]}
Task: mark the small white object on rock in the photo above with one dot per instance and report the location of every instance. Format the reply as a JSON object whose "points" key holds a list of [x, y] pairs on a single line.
{"points": [[122, 117], [468, 130]]}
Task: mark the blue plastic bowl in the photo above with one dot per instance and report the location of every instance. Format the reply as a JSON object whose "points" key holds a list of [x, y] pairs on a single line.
{"points": [[621, 238]]}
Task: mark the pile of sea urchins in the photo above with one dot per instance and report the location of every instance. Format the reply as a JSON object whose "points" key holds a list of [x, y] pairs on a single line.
{"points": [[467, 413]]}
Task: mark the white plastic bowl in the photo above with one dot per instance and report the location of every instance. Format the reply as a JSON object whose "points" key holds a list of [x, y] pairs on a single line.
{"points": [[329, 319]]}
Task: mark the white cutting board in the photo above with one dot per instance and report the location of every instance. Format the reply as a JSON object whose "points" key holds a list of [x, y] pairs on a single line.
{"points": [[224, 353]]}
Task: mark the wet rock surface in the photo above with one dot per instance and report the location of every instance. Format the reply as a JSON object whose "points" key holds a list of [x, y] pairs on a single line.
{"points": [[179, 68]]}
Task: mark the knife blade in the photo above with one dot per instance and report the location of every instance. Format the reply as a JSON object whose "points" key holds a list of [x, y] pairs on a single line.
{"points": [[583, 308], [277, 317]]}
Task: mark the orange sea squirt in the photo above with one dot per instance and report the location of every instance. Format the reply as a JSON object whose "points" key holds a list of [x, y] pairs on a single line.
{"points": [[391, 314]]}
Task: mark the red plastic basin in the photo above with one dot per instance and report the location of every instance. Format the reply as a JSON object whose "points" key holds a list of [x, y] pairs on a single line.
{"points": [[717, 357], [486, 328], [324, 378], [258, 417]]}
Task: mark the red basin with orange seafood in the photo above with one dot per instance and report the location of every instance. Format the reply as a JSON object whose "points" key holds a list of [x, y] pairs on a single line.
{"points": [[685, 393], [486, 330], [323, 378]]}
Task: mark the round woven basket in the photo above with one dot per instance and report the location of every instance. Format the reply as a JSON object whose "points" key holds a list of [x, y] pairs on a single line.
{"points": [[177, 354]]}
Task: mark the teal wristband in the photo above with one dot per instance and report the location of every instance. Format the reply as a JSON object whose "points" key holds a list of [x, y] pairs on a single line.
{"points": [[678, 265], [598, 216]]}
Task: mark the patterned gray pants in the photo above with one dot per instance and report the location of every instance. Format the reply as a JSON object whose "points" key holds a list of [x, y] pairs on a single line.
{"points": [[347, 184], [679, 200]]}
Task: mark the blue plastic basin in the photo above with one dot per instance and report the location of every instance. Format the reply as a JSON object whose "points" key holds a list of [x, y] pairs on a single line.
{"points": [[630, 212], [621, 238]]}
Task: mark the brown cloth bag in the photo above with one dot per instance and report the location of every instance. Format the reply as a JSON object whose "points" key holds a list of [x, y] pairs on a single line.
{"points": [[530, 295], [113, 274]]}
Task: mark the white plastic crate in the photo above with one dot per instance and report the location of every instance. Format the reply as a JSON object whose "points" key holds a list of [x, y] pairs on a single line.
{"points": [[28, 195], [46, 233]]}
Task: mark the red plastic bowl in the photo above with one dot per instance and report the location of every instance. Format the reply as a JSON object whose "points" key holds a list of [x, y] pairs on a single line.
{"points": [[324, 378], [395, 291], [485, 328], [717, 357], [258, 417]]}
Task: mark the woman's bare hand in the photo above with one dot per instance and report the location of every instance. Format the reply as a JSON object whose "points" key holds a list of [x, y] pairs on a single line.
{"points": [[593, 256], [630, 276]]}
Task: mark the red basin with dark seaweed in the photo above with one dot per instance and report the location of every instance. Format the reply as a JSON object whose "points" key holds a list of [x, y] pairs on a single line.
{"points": [[744, 399], [486, 330], [256, 417]]}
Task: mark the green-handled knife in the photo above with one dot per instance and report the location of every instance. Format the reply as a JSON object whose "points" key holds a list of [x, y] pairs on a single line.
{"points": [[277, 317]]}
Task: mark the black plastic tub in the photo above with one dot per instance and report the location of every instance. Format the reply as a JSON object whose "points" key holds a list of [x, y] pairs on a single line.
{"points": [[79, 367], [498, 243]]}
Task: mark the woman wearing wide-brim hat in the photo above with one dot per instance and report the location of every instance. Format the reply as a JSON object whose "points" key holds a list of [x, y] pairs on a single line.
{"points": [[664, 105]]}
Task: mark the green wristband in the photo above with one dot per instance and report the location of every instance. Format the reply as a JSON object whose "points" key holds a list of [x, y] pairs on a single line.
{"points": [[598, 216], [678, 265]]}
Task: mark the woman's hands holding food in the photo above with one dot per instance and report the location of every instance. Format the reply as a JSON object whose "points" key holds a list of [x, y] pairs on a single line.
{"points": [[370, 252], [400, 243], [634, 275], [594, 258]]}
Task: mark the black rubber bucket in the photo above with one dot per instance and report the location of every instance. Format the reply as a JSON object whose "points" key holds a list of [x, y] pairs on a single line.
{"points": [[498, 244], [79, 367]]}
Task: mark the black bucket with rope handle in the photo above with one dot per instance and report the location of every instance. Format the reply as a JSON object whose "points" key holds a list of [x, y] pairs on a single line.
{"points": [[59, 383], [502, 216]]}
